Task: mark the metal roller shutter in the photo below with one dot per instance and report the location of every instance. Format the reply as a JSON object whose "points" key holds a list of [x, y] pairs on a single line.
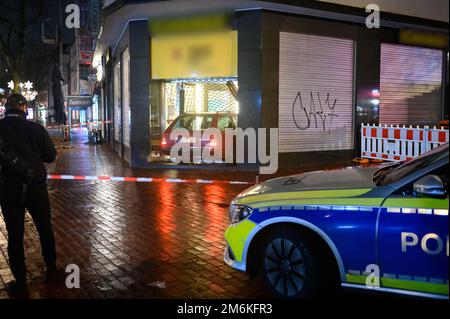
{"points": [[316, 93], [410, 85]]}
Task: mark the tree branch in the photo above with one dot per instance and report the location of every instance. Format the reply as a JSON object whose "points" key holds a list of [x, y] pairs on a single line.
{"points": [[5, 47], [5, 20], [40, 13], [7, 6], [20, 57]]}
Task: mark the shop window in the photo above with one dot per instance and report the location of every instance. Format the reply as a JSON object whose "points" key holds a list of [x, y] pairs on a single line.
{"points": [[171, 93], [198, 95], [117, 105], [126, 110]]}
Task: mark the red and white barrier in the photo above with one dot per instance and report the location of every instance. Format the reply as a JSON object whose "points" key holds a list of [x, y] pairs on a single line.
{"points": [[142, 179], [399, 143]]}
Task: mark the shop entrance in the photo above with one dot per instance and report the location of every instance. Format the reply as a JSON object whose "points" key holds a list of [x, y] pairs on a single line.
{"points": [[195, 72], [77, 117]]}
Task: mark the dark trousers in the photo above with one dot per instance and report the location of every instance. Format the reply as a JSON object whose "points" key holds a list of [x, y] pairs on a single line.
{"points": [[13, 209]]}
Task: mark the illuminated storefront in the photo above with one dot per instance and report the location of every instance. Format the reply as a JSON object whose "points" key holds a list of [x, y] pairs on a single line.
{"points": [[79, 110], [196, 71]]}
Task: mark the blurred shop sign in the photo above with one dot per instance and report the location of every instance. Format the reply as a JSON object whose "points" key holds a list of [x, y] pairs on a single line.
{"points": [[427, 39], [94, 15], [192, 23], [194, 55], [79, 101]]}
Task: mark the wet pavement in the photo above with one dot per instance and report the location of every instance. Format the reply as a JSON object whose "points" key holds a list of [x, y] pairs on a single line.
{"points": [[135, 240]]}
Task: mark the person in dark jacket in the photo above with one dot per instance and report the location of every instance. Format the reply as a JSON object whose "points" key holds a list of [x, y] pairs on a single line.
{"points": [[32, 142]]}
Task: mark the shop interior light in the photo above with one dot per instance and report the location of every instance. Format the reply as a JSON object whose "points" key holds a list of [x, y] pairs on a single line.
{"points": [[199, 97], [99, 72], [203, 80]]}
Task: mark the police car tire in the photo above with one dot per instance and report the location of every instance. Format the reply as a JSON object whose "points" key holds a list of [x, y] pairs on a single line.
{"points": [[308, 267]]}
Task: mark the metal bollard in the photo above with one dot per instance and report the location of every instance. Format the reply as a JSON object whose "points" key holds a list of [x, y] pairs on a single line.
{"points": [[66, 134]]}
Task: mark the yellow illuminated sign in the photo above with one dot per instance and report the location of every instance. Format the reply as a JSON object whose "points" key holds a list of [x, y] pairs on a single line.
{"points": [[217, 21], [194, 55], [433, 40]]}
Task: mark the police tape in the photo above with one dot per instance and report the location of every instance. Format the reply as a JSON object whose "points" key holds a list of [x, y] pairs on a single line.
{"points": [[78, 124], [143, 179], [98, 122], [56, 126]]}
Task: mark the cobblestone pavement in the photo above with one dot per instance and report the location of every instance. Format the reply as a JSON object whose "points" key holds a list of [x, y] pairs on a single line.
{"points": [[135, 240]]}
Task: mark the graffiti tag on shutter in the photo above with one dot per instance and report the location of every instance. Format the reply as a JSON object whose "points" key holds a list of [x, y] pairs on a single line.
{"points": [[314, 116]]}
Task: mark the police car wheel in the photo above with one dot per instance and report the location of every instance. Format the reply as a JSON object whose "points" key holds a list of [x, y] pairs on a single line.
{"points": [[288, 266]]}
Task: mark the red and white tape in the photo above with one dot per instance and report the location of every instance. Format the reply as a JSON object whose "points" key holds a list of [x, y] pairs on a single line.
{"points": [[78, 124], [142, 179], [55, 126], [98, 122]]}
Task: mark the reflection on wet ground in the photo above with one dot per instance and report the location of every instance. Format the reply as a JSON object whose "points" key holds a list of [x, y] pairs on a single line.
{"points": [[136, 240], [133, 240]]}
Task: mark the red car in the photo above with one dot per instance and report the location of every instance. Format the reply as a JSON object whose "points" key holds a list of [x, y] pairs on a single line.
{"points": [[199, 122]]}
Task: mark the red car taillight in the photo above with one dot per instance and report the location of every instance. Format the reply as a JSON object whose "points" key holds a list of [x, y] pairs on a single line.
{"points": [[163, 141]]}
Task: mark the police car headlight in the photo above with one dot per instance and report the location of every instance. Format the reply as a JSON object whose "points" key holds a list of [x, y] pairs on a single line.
{"points": [[239, 212]]}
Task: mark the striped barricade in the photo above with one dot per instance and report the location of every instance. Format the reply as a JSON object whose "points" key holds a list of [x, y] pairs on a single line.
{"points": [[399, 143]]}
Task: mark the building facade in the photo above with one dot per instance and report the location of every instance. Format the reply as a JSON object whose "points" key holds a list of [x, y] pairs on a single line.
{"points": [[315, 72], [82, 76]]}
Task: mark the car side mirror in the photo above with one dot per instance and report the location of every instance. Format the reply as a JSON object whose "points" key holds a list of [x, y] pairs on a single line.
{"points": [[430, 186]]}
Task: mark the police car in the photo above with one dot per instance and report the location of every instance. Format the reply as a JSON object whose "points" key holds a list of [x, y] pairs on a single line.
{"points": [[384, 228]]}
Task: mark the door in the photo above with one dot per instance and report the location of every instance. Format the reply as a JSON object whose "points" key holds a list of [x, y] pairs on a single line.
{"points": [[413, 239]]}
